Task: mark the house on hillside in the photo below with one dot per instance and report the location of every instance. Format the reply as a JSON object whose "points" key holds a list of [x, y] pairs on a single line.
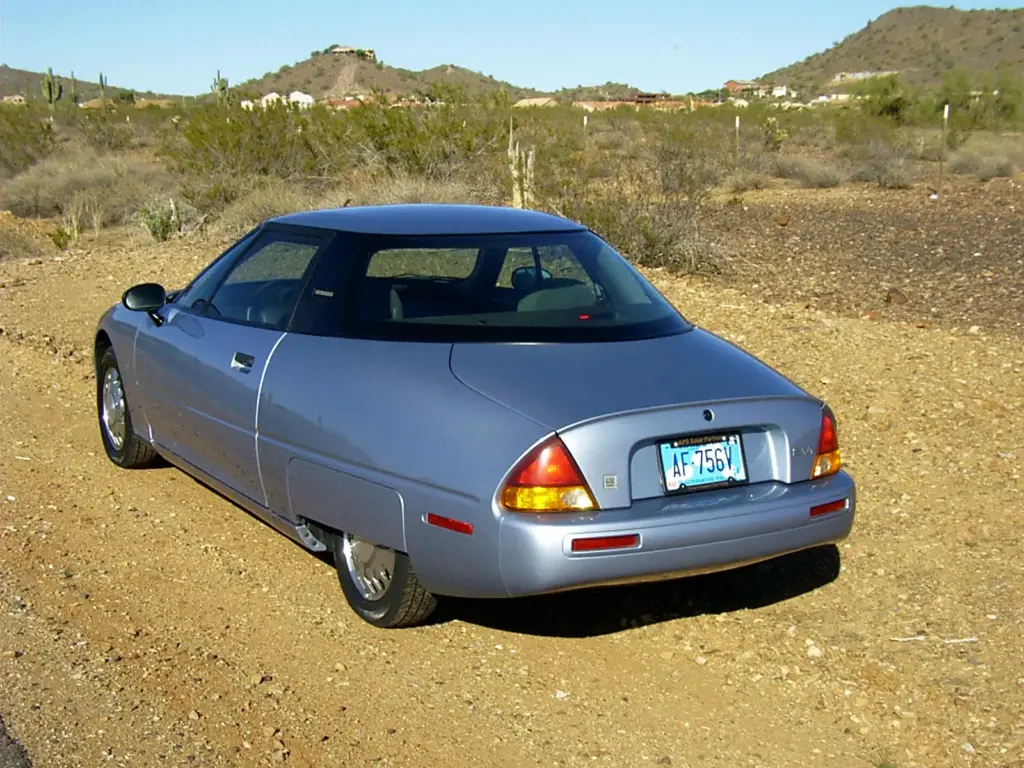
{"points": [[347, 50], [780, 91], [16, 98], [539, 101], [302, 100], [747, 86], [844, 77]]}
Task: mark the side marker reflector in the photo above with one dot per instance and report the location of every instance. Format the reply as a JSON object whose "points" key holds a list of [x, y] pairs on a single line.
{"points": [[450, 525], [832, 506], [597, 543]]}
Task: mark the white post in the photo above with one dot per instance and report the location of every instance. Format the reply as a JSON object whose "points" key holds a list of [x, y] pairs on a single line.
{"points": [[585, 122], [942, 149], [737, 151]]}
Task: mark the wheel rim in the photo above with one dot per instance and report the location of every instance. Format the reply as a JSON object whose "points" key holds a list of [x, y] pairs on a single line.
{"points": [[370, 566], [113, 415]]}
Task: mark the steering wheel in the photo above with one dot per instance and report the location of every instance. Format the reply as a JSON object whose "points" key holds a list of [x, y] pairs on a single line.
{"points": [[272, 298]]}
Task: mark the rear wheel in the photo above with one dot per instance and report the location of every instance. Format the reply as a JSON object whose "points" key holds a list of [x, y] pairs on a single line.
{"points": [[380, 583], [123, 446]]}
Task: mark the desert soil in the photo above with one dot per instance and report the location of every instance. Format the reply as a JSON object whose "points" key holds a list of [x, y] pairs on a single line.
{"points": [[146, 621]]}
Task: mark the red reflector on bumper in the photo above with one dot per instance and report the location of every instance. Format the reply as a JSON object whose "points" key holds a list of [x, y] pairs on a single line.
{"points": [[832, 506], [450, 525], [605, 542]]}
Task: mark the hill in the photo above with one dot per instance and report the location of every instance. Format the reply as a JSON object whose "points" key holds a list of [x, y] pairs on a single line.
{"points": [[331, 75], [922, 43], [14, 81]]}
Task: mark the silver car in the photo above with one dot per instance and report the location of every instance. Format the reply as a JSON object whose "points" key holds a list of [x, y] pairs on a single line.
{"points": [[470, 401]]}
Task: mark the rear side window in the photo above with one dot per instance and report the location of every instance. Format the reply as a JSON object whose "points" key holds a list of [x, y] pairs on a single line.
{"points": [[561, 286], [456, 263]]}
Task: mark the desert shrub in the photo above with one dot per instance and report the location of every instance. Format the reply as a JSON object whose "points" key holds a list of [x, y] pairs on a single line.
{"points": [[265, 199], [966, 163], [981, 167], [165, 217], [437, 142], [996, 168], [744, 181], [809, 172], [886, 164], [105, 133], [17, 244], [650, 207], [387, 190], [85, 188], [25, 138]]}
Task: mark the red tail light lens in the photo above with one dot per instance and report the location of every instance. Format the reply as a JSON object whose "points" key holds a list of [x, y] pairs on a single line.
{"points": [[547, 480], [828, 459]]}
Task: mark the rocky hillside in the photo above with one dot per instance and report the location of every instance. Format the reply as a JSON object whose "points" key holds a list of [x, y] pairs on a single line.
{"points": [[922, 43]]}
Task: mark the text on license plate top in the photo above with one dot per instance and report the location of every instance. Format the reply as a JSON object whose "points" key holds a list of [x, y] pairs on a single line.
{"points": [[700, 461]]}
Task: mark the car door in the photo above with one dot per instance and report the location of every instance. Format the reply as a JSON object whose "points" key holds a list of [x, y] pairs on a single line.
{"points": [[202, 367]]}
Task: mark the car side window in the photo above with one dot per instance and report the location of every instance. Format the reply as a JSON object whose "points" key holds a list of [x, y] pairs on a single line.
{"points": [[196, 295], [263, 287]]}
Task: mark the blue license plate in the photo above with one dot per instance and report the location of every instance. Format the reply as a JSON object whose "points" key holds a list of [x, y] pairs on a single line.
{"points": [[704, 460]]}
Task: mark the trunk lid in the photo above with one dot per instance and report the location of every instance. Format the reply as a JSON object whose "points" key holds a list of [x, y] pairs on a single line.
{"points": [[612, 403]]}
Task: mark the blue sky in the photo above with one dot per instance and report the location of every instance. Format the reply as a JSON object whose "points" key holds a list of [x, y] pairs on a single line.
{"points": [[674, 45]]}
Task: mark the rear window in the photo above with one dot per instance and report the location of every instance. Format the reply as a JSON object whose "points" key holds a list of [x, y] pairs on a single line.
{"points": [[569, 286]]}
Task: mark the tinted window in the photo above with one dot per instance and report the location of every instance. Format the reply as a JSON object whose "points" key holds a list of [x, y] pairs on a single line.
{"points": [[423, 262], [263, 287], [531, 287], [202, 288]]}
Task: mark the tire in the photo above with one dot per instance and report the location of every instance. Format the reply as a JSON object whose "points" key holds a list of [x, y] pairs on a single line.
{"points": [[403, 602], [123, 446]]}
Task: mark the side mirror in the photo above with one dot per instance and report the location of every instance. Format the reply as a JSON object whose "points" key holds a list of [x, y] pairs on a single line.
{"points": [[525, 278], [145, 297]]}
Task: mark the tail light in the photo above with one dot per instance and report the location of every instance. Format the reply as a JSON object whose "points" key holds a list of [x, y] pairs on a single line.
{"points": [[828, 460], [547, 480]]}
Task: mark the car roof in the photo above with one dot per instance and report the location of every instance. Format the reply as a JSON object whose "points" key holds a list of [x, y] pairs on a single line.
{"points": [[430, 219]]}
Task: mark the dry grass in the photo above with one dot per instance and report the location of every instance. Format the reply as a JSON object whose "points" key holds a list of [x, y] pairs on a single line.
{"points": [[808, 171], [85, 189], [17, 244]]}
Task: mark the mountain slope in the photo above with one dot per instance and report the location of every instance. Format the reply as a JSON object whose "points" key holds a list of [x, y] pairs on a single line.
{"points": [[329, 75], [921, 42], [14, 81]]}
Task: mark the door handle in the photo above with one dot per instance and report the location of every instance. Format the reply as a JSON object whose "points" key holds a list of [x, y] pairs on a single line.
{"points": [[242, 362]]}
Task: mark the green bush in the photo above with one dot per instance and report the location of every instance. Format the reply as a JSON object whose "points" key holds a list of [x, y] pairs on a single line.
{"points": [[25, 138]]}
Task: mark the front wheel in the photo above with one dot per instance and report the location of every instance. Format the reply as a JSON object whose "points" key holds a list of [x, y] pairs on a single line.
{"points": [[380, 583], [123, 446]]}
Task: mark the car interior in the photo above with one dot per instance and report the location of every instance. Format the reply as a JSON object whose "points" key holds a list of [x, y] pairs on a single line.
{"points": [[500, 282]]}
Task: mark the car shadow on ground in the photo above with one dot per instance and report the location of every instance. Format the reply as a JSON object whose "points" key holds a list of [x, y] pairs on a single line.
{"points": [[604, 610]]}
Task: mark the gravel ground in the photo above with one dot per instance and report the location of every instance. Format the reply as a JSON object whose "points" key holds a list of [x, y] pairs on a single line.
{"points": [[957, 260], [12, 754], [146, 621]]}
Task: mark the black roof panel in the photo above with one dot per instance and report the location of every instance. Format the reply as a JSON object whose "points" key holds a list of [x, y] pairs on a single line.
{"points": [[429, 219]]}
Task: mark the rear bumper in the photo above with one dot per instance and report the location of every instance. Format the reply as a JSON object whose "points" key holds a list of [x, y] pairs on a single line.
{"points": [[678, 536]]}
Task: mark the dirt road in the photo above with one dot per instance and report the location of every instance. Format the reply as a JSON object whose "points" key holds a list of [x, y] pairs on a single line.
{"points": [[146, 621]]}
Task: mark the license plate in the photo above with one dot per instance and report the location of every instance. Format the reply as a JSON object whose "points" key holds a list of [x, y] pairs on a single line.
{"points": [[705, 460]]}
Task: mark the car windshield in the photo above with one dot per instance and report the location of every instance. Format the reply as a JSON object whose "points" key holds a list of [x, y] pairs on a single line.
{"points": [[551, 286]]}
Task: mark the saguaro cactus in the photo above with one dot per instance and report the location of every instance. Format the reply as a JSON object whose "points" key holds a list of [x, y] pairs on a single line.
{"points": [[103, 93], [74, 89], [51, 88], [521, 166], [220, 87]]}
